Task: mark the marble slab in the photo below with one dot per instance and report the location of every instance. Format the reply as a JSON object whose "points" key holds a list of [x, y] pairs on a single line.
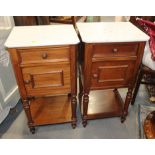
{"points": [[100, 32], [27, 36]]}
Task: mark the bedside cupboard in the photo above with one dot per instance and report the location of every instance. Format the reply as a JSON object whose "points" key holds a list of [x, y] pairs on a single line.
{"points": [[44, 62], [111, 57]]}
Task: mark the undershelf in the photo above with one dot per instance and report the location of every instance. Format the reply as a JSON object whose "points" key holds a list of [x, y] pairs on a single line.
{"points": [[51, 110], [104, 103]]}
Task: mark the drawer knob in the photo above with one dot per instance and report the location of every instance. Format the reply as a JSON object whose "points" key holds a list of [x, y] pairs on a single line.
{"points": [[44, 55], [27, 81], [115, 50], [95, 75]]}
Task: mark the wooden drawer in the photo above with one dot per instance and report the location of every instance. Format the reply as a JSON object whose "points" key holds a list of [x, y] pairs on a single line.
{"points": [[114, 50], [47, 80], [112, 74], [41, 55]]}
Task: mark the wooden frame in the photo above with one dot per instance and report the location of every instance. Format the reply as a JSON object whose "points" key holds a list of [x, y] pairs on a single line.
{"points": [[120, 108], [33, 103]]}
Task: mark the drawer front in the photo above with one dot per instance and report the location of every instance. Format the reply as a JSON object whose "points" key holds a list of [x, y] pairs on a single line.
{"points": [[47, 80], [41, 55], [115, 50], [112, 74]]}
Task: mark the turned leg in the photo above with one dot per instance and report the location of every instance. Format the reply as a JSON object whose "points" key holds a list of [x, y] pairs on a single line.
{"points": [[126, 105], [85, 108], [32, 130], [115, 91], [80, 92], [74, 105], [26, 107]]}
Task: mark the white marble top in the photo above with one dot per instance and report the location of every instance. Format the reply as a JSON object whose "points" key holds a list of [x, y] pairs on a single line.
{"points": [[25, 36], [98, 32]]}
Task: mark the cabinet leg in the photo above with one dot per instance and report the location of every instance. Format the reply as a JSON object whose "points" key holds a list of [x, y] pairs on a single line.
{"points": [[126, 105], [84, 122], [32, 130], [80, 92], [74, 105], [85, 108], [123, 118], [80, 95], [26, 107], [73, 124]]}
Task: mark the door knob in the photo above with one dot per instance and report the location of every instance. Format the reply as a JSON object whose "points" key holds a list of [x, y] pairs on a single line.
{"points": [[27, 81], [95, 75], [44, 55], [115, 50]]}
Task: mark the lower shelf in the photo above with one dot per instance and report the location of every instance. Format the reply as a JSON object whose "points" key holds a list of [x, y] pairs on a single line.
{"points": [[104, 103], [51, 110]]}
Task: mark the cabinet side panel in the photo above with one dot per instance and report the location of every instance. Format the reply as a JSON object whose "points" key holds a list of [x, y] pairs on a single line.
{"points": [[88, 49], [18, 74], [73, 68], [139, 60]]}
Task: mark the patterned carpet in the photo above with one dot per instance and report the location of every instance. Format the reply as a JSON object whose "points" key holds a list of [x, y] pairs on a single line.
{"points": [[143, 111]]}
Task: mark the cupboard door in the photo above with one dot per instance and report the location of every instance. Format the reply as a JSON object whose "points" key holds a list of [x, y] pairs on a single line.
{"points": [[47, 80], [111, 74]]}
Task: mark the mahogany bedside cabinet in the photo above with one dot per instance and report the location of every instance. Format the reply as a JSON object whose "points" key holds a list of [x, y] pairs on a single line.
{"points": [[111, 57], [44, 62]]}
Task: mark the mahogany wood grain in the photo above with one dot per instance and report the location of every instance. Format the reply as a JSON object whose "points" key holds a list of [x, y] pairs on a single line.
{"points": [[31, 20], [42, 55], [25, 20], [114, 50], [104, 104], [51, 110], [111, 73], [86, 71], [47, 80], [18, 73], [73, 81], [26, 106], [42, 72], [108, 66]]}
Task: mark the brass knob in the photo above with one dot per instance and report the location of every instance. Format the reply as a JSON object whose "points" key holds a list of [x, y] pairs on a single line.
{"points": [[27, 81], [115, 50], [44, 55], [95, 75]]}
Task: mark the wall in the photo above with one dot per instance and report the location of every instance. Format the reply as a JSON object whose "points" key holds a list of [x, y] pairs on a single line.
{"points": [[9, 94], [114, 18]]}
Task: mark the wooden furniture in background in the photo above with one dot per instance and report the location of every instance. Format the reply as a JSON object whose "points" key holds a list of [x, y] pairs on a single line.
{"points": [[147, 69], [45, 69], [31, 20], [112, 53], [47, 20], [67, 19]]}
